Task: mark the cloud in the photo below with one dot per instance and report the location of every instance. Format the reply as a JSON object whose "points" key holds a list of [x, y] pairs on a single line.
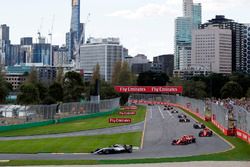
{"points": [[222, 5], [169, 8]]}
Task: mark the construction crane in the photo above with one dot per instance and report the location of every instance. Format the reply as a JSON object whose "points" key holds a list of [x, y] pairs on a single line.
{"points": [[51, 38], [39, 30], [76, 52]]}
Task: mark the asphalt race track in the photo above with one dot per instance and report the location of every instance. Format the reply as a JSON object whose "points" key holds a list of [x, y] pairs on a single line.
{"points": [[160, 129]]}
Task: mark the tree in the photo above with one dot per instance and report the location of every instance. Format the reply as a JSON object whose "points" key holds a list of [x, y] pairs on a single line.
{"points": [[29, 94], [73, 87], [96, 74], [43, 91], [125, 76], [48, 100], [214, 83], [32, 77], [56, 92], [242, 79], [60, 75], [116, 73], [231, 90], [4, 89], [248, 93], [107, 91], [194, 89], [152, 79]]}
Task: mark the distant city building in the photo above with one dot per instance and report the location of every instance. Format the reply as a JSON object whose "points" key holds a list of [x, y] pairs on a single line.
{"points": [[17, 74], [183, 37], [26, 41], [76, 36], [60, 58], [237, 37], [4, 45], [146, 67], [197, 15], [184, 25], [138, 59], [212, 49], [190, 72], [246, 50], [185, 56], [103, 51], [167, 63], [26, 54], [14, 54], [41, 52]]}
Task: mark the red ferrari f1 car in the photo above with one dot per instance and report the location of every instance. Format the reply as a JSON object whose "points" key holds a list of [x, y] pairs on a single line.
{"points": [[205, 133], [184, 140]]}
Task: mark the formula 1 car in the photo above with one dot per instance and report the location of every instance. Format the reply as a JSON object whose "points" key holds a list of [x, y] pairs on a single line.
{"points": [[182, 116], [174, 111], [114, 149], [205, 133], [198, 125], [184, 140], [184, 120]]}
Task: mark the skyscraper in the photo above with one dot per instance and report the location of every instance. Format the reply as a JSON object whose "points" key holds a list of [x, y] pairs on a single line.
{"points": [[183, 32], [188, 8], [75, 37], [237, 37], [246, 50], [4, 45], [75, 20]]}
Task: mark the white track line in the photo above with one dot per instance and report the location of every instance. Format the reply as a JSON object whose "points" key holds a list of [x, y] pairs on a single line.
{"points": [[161, 112]]}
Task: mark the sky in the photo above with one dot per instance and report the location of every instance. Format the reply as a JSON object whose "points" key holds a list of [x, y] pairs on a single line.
{"points": [[143, 26]]}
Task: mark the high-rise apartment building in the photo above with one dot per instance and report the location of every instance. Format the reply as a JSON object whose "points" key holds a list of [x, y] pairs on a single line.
{"points": [[183, 32], [4, 45], [105, 52], [245, 67], [237, 37], [212, 49], [183, 37]]}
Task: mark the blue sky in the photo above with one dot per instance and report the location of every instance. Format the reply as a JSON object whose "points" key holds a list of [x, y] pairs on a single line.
{"points": [[144, 26]]}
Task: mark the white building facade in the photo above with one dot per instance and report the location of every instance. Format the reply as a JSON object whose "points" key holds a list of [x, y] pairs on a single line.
{"points": [[212, 49], [105, 52]]}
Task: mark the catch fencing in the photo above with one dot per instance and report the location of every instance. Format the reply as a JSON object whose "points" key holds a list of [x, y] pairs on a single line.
{"points": [[15, 114], [229, 118]]}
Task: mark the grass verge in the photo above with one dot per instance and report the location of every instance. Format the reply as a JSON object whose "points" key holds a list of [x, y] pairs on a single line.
{"points": [[81, 125], [84, 144]]}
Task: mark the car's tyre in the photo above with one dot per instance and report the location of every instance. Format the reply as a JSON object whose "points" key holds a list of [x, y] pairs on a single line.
{"points": [[106, 152], [200, 134], [193, 140]]}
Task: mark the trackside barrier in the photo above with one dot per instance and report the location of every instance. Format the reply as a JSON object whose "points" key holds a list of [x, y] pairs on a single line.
{"points": [[24, 126], [75, 118], [16, 114], [231, 121], [50, 122]]}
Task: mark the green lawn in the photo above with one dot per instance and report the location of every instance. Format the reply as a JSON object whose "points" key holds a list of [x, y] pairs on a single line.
{"points": [[87, 124], [84, 144]]}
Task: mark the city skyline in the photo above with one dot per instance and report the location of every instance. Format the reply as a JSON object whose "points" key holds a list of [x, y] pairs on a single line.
{"points": [[143, 26]]}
